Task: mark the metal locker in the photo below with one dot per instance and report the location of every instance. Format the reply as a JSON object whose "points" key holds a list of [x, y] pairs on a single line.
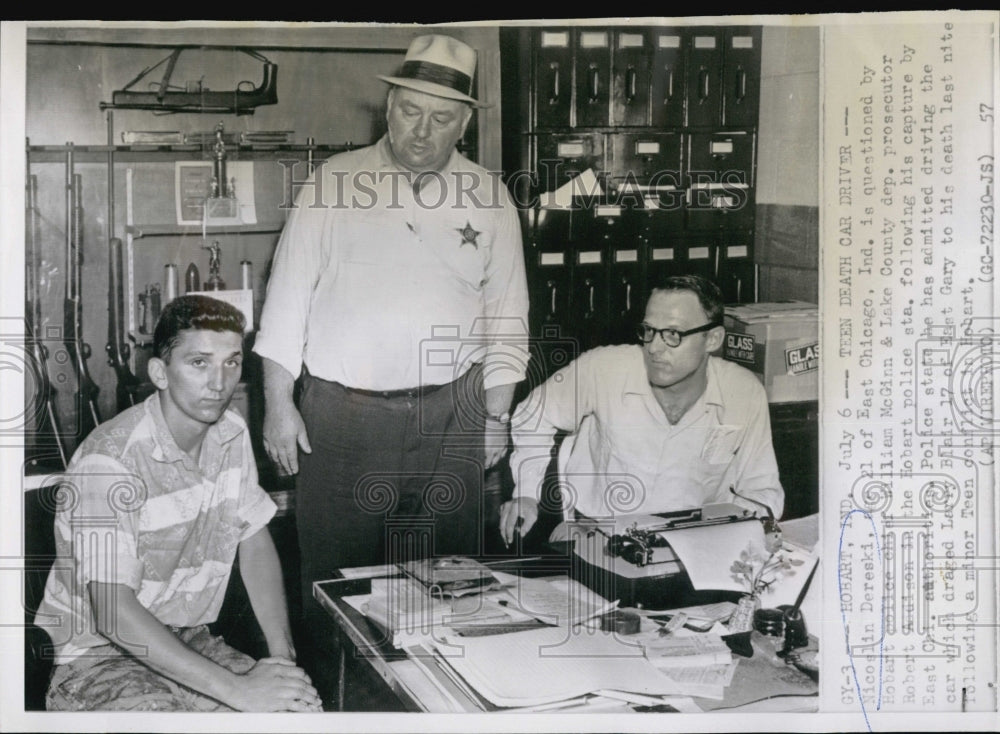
{"points": [[741, 77], [667, 79], [656, 228], [593, 78], [704, 77], [665, 118], [720, 180], [550, 276], [699, 256], [550, 266], [591, 273], [737, 275], [645, 169], [553, 78], [630, 85], [626, 286], [661, 250], [560, 158]]}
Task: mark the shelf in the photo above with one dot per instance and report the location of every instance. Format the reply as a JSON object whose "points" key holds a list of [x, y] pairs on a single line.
{"points": [[140, 340], [195, 230], [130, 153]]}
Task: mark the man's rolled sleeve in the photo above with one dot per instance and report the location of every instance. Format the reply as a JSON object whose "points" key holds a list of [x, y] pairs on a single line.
{"points": [[298, 261]]}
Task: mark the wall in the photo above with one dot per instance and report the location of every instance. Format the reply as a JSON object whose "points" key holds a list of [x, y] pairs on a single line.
{"points": [[327, 90], [787, 227]]}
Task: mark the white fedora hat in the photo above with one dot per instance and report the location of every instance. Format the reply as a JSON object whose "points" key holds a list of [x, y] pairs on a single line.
{"points": [[438, 65]]}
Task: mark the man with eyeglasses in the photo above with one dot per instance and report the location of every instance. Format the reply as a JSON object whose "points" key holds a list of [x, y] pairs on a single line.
{"points": [[654, 427]]}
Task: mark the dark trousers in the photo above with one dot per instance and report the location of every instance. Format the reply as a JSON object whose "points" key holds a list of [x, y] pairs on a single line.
{"points": [[388, 480]]}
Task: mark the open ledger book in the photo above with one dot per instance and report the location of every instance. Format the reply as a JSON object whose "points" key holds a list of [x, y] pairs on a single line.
{"points": [[409, 609], [450, 575]]}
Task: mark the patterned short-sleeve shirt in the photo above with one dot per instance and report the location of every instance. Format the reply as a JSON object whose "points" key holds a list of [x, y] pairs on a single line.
{"points": [[135, 509]]}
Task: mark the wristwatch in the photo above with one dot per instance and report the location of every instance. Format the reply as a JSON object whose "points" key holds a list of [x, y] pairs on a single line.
{"points": [[502, 419]]}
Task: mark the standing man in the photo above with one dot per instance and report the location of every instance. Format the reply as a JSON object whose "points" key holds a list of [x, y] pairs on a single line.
{"points": [[398, 292], [159, 501], [654, 427]]}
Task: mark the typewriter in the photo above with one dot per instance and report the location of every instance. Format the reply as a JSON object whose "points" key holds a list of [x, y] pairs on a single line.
{"points": [[642, 539], [630, 558]]}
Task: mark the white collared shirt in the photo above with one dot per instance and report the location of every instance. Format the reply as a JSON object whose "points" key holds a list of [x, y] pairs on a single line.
{"points": [[624, 457], [382, 288]]}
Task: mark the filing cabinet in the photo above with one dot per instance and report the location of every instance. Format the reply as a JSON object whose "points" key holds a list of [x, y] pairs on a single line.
{"points": [[704, 76], [593, 77], [723, 76], [630, 96], [549, 268], [741, 77], [626, 291], [720, 157], [589, 310], [645, 169], [667, 79], [665, 117], [719, 179], [562, 157], [553, 84], [736, 271]]}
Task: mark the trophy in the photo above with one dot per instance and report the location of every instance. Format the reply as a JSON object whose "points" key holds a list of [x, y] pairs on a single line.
{"points": [[214, 282]]}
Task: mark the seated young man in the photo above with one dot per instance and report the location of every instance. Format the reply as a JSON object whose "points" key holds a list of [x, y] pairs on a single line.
{"points": [[654, 427], [156, 504]]}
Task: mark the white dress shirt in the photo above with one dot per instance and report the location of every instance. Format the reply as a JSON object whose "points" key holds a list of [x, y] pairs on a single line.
{"points": [[379, 287], [624, 457]]}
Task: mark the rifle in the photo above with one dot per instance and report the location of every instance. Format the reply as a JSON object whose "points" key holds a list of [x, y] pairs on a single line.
{"points": [[86, 394], [164, 97], [48, 422], [130, 389]]}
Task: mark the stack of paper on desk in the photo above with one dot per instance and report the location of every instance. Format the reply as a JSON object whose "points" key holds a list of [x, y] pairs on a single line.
{"points": [[685, 652], [709, 681], [550, 664], [561, 601], [700, 665], [403, 608]]}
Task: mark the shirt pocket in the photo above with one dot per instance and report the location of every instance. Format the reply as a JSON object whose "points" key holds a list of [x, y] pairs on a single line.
{"points": [[374, 237], [722, 444]]}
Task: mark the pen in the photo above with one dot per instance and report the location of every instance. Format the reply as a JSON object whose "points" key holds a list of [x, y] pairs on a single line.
{"points": [[517, 530]]}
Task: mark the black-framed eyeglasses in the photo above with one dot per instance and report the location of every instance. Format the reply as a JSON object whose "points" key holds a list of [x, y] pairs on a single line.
{"points": [[670, 337]]}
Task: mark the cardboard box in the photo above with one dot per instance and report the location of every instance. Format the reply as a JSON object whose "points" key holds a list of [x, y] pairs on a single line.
{"points": [[779, 342]]}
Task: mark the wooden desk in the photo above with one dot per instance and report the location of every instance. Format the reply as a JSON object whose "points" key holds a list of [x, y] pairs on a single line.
{"points": [[762, 682]]}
